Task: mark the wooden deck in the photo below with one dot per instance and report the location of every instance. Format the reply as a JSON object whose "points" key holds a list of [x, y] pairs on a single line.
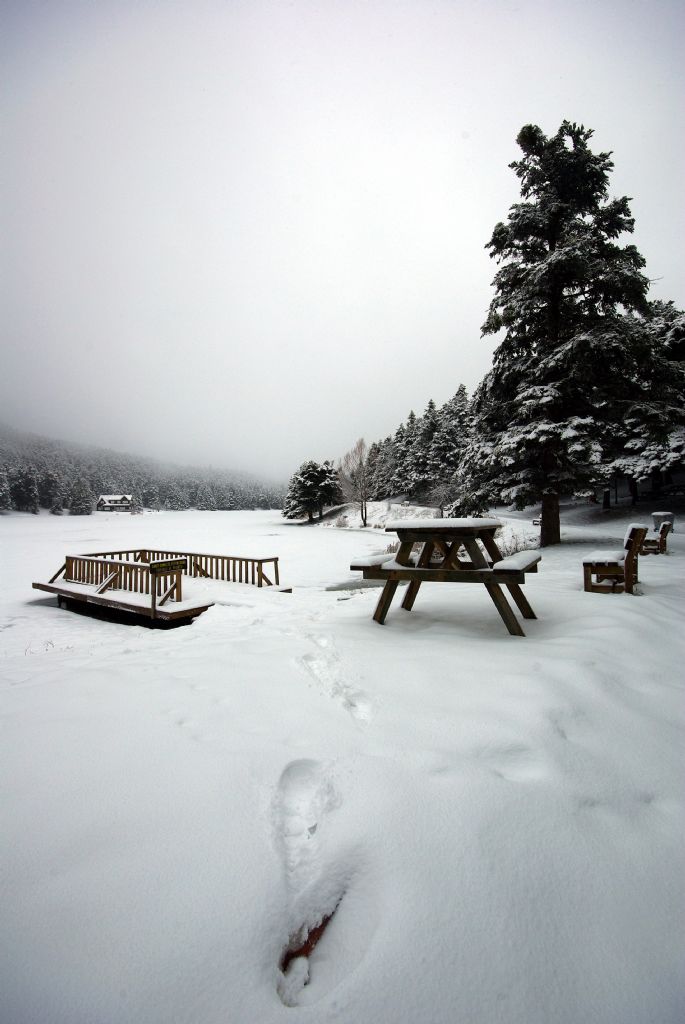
{"points": [[148, 582], [123, 602]]}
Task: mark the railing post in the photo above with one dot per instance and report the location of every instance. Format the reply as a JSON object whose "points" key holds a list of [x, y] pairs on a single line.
{"points": [[260, 574], [276, 571], [178, 586]]}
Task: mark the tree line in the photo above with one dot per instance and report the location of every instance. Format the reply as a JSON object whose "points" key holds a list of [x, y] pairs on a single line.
{"points": [[588, 379], [38, 472]]}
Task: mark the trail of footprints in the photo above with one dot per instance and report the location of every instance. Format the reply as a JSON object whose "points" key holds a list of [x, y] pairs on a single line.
{"points": [[325, 666]]}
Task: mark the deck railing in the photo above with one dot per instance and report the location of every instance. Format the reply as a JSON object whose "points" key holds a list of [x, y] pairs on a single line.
{"points": [[133, 576], [229, 568]]}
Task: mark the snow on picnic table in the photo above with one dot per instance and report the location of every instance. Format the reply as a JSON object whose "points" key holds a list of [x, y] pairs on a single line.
{"points": [[502, 816]]}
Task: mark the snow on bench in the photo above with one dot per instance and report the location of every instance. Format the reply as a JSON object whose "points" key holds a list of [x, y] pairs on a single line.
{"points": [[522, 561], [615, 556], [605, 557], [376, 561]]}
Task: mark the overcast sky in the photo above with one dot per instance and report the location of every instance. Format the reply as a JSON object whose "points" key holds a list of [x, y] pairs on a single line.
{"points": [[246, 233]]}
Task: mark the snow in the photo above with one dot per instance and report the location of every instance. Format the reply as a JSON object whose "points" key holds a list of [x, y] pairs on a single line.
{"points": [[612, 555], [468, 522], [496, 821], [522, 560]]}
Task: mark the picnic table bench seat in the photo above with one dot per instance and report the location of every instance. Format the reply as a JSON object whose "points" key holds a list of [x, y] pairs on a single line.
{"points": [[374, 561], [521, 561]]}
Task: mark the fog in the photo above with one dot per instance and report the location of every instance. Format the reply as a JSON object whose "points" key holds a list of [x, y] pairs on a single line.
{"points": [[246, 233]]}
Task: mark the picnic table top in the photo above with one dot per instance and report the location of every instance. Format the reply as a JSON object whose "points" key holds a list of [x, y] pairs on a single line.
{"points": [[470, 524]]}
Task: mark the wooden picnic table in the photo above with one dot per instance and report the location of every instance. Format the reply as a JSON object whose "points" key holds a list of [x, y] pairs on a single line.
{"points": [[451, 551]]}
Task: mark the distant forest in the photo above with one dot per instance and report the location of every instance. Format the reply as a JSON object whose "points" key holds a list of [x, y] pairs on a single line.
{"points": [[39, 472]]}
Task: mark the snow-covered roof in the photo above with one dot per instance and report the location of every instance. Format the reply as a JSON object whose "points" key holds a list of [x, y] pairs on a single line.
{"points": [[115, 497]]}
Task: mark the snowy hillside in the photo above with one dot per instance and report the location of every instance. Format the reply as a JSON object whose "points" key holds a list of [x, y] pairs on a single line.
{"points": [[496, 821]]}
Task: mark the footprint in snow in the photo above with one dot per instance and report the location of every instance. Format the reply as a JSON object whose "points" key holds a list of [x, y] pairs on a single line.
{"points": [[325, 667], [304, 798], [305, 795]]}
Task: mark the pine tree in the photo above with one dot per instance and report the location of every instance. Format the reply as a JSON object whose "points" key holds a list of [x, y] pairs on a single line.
{"points": [[403, 452], [81, 503], [420, 470], [151, 495], [655, 434], [5, 496], [224, 498], [175, 500], [550, 415], [50, 488], [24, 489], [205, 500], [311, 487], [448, 443], [330, 492]]}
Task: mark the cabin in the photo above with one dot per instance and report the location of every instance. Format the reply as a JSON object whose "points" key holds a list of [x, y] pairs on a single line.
{"points": [[114, 503]]}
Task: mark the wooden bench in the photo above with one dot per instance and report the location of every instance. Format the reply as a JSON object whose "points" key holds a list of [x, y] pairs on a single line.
{"points": [[615, 571], [655, 541]]}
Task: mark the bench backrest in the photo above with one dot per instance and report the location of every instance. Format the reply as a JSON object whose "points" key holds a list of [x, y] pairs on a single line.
{"points": [[635, 534], [634, 538]]}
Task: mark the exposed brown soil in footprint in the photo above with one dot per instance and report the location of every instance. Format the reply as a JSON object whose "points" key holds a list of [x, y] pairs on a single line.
{"points": [[299, 946]]}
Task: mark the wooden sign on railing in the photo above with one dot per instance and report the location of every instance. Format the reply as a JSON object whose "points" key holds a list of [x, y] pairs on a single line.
{"points": [[165, 565]]}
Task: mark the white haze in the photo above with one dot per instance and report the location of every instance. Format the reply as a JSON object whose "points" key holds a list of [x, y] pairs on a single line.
{"points": [[246, 233]]}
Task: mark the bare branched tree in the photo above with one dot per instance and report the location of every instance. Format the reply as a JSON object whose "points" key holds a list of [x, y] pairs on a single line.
{"points": [[354, 476]]}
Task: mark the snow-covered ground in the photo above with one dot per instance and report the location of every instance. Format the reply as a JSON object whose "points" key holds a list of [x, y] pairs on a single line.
{"points": [[499, 820]]}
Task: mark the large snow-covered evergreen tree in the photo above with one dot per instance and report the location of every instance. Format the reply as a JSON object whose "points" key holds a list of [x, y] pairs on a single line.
{"points": [[569, 372], [311, 488]]}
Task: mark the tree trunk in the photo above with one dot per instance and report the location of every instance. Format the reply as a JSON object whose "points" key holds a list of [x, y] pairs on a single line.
{"points": [[550, 528], [310, 517]]}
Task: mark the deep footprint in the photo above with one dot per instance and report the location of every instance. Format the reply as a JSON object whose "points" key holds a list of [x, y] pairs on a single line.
{"points": [[304, 797]]}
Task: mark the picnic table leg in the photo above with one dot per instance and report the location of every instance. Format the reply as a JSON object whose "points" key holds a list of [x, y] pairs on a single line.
{"points": [[388, 592], [490, 545], [413, 588], [384, 602], [494, 589], [521, 600], [502, 606]]}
